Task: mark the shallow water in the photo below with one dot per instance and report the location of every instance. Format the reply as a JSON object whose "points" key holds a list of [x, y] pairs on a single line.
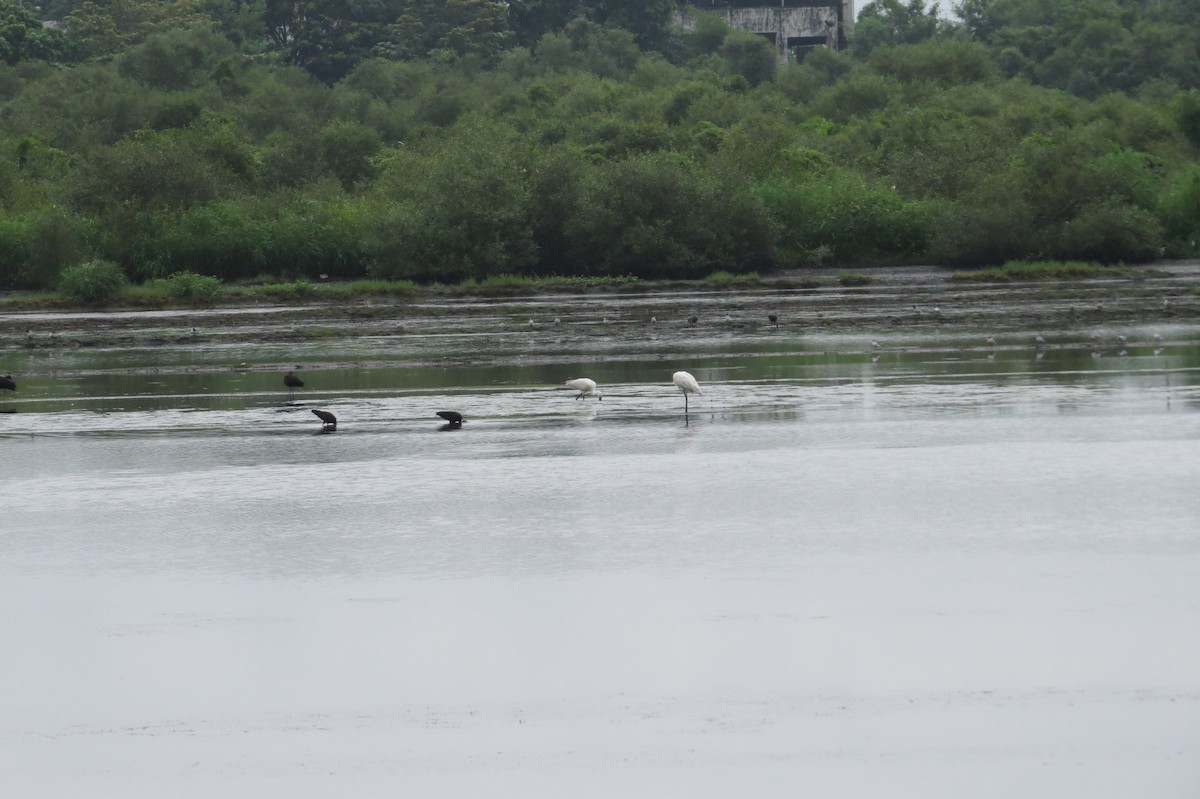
{"points": [[927, 567]]}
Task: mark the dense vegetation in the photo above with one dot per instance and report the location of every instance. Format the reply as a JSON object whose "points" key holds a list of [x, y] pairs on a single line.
{"points": [[466, 139]]}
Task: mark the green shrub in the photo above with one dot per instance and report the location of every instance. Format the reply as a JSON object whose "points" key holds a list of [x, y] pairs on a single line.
{"points": [[370, 288], [854, 279], [92, 283], [1110, 232], [989, 225], [721, 278], [1179, 210], [506, 281], [590, 281], [299, 289], [1185, 107], [852, 219], [660, 216], [14, 255], [35, 246], [530, 285], [1037, 270], [190, 285]]}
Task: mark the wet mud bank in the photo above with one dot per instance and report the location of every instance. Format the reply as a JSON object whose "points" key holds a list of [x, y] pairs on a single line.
{"points": [[911, 300]]}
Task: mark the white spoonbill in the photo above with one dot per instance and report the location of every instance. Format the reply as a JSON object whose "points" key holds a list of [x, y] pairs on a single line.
{"points": [[585, 387], [687, 384]]}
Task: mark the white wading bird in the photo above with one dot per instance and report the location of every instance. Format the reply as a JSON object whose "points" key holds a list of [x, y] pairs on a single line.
{"points": [[687, 384], [585, 387]]}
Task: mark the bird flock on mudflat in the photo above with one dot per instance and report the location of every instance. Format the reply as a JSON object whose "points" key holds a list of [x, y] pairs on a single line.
{"points": [[684, 381], [454, 420]]}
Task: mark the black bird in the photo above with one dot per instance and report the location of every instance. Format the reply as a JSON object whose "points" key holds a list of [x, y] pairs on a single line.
{"points": [[692, 320], [292, 382], [328, 420], [773, 319], [7, 383], [453, 418]]}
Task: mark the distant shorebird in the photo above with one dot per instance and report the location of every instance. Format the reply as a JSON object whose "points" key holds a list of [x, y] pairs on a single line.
{"points": [[688, 385], [773, 319], [693, 320], [586, 388], [7, 383], [328, 420], [453, 418], [292, 382], [991, 340]]}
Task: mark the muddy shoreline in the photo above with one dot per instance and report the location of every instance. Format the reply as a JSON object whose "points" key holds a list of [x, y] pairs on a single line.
{"points": [[897, 300]]}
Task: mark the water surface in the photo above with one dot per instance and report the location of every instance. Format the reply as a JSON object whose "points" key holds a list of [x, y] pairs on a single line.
{"points": [[910, 566]]}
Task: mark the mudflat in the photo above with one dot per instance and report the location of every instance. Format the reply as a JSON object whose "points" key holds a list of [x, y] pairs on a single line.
{"points": [[893, 300]]}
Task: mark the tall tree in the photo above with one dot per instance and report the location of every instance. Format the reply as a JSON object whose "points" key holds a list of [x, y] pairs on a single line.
{"points": [[1090, 47], [23, 38], [891, 22], [325, 37], [240, 20], [96, 30], [530, 20], [647, 20], [458, 27]]}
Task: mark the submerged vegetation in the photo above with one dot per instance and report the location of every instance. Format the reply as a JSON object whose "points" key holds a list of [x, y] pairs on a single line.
{"points": [[193, 147]]}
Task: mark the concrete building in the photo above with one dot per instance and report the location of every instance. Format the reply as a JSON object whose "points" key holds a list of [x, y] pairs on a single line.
{"points": [[794, 26]]}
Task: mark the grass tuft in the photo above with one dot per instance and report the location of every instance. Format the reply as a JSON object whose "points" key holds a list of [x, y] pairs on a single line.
{"points": [[92, 283], [854, 279], [1014, 271], [723, 278]]}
